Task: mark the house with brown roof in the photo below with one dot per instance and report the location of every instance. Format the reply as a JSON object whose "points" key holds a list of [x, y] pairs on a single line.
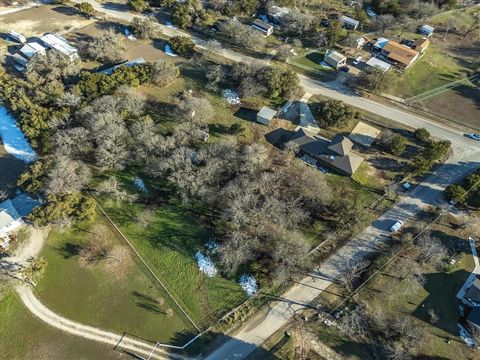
{"points": [[398, 54], [421, 45]]}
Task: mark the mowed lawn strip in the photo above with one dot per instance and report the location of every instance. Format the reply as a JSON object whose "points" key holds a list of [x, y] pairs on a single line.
{"points": [[24, 336], [168, 245], [118, 297]]}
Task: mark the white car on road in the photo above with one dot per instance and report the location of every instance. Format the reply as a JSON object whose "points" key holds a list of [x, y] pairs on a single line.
{"points": [[397, 226]]}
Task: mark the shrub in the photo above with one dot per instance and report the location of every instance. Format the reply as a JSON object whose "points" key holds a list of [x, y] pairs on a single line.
{"points": [[455, 193], [85, 8], [137, 5], [182, 45], [422, 134]]}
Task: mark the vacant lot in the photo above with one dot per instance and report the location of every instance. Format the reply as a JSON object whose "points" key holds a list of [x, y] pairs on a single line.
{"points": [[168, 244], [113, 294], [23, 336], [42, 19], [461, 104]]}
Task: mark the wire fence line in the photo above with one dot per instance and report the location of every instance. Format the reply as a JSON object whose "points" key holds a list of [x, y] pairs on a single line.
{"points": [[146, 265]]}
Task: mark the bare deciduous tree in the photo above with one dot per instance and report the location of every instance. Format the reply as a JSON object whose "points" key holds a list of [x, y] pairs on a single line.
{"points": [[163, 72], [108, 47], [194, 109], [66, 176]]}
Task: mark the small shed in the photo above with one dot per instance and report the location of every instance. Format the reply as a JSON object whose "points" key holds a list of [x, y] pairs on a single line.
{"points": [[349, 23], [379, 64], [426, 30], [335, 59], [262, 26], [421, 45], [265, 115]]}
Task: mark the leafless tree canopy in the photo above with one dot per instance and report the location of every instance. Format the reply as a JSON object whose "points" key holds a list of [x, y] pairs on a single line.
{"points": [[108, 47]]}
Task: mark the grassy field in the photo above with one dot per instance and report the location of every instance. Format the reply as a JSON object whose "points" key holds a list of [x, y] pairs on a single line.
{"points": [[460, 104], [449, 57], [168, 245], [23, 336], [114, 294], [434, 69]]}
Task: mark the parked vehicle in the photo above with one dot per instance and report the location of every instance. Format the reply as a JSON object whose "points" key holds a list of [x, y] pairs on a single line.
{"points": [[325, 22], [397, 226], [473, 136], [357, 60], [345, 69]]}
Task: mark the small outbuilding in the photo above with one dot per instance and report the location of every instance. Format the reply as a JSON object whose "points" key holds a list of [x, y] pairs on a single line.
{"points": [[265, 115], [31, 49], [349, 23], [263, 27], [421, 45], [17, 37], [335, 59], [426, 30]]}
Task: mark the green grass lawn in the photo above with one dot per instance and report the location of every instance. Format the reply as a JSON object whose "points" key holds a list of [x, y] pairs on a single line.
{"points": [[168, 245], [310, 63], [434, 69], [23, 336], [112, 295]]}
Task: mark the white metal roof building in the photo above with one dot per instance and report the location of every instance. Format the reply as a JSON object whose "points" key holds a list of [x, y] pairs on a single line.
{"points": [[426, 30], [33, 48], [265, 115], [379, 64], [335, 59], [349, 23], [59, 43], [134, 62], [17, 37]]}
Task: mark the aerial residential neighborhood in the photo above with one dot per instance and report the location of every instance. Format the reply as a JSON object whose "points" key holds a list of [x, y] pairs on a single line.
{"points": [[246, 179]]}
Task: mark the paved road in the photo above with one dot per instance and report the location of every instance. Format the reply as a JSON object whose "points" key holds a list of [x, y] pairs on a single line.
{"points": [[466, 158]]}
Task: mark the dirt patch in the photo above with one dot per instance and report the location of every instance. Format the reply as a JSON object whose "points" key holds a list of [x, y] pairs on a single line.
{"points": [[37, 21], [461, 105]]}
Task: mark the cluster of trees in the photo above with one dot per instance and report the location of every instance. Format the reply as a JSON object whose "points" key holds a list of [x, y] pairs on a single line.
{"points": [[182, 45], [433, 152], [392, 142], [458, 192], [242, 35], [262, 199], [56, 109], [254, 79], [334, 113], [191, 13], [85, 8]]}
